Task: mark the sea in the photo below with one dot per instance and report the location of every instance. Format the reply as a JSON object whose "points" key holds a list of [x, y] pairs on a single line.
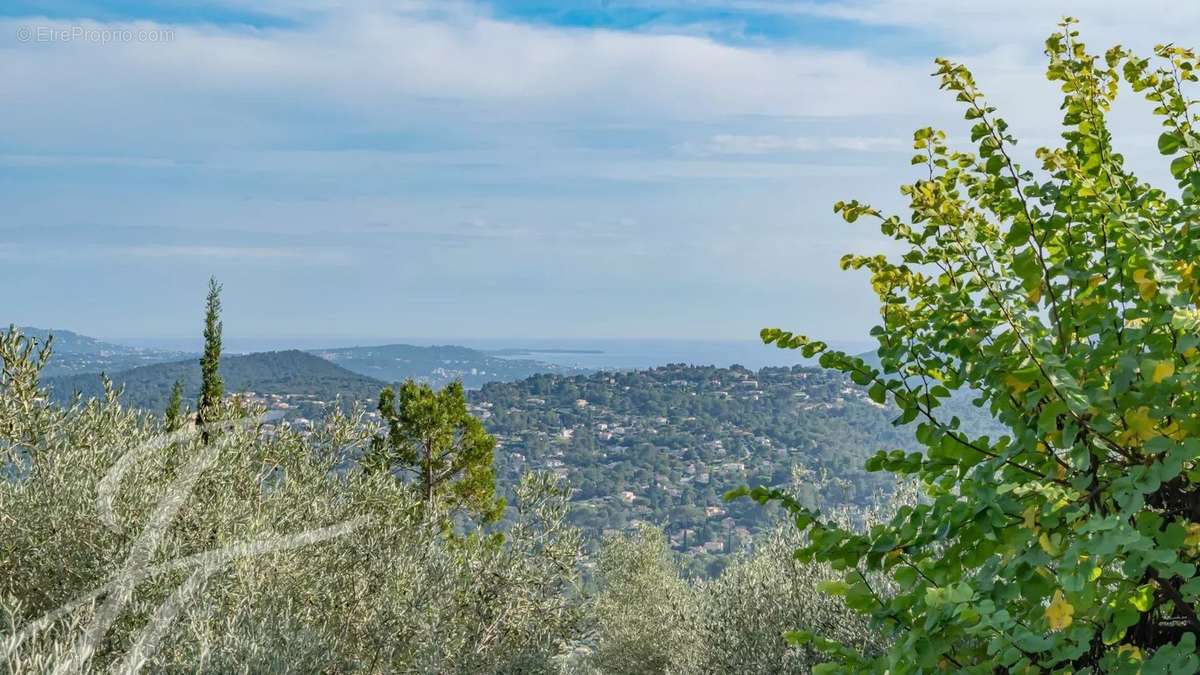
{"points": [[590, 353]]}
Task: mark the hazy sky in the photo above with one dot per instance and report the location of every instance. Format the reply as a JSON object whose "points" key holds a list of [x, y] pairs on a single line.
{"points": [[549, 168]]}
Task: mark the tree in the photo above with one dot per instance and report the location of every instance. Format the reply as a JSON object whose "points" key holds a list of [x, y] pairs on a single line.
{"points": [[174, 413], [1066, 302], [432, 437], [743, 609], [377, 591], [211, 386], [25, 415], [646, 617]]}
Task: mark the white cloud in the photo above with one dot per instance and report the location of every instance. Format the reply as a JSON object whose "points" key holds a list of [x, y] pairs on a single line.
{"points": [[869, 143], [177, 253], [240, 252], [225, 84], [732, 144], [380, 66], [735, 144]]}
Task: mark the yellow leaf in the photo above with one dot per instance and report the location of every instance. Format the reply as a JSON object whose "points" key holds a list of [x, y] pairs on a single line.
{"points": [[1016, 384], [1140, 424], [1162, 370], [1060, 612], [1193, 535], [1173, 431], [1046, 544], [1035, 295], [1134, 652], [1031, 518], [1147, 288]]}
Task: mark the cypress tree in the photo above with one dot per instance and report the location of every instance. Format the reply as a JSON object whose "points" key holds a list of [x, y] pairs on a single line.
{"points": [[174, 414], [211, 386]]}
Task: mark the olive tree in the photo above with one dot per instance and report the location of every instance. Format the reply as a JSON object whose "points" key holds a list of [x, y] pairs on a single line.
{"points": [[218, 592], [646, 618]]}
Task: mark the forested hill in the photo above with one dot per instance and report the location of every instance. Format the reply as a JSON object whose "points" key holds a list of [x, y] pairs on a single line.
{"points": [[67, 342], [663, 445], [292, 375], [75, 354]]}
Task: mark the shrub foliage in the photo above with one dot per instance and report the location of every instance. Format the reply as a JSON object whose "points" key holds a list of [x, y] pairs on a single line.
{"points": [[390, 595], [1066, 300]]}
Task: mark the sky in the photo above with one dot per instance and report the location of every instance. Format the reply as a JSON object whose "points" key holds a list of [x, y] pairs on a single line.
{"points": [[505, 169]]}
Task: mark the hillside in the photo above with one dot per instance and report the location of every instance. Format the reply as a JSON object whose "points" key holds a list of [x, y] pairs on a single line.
{"points": [[663, 445], [77, 354], [660, 446], [301, 380], [437, 365], [69, 342]]}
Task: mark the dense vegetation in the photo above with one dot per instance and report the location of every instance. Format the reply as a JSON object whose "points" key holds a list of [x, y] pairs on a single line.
{"points": [[658, 446], [1068, 300], [276, 555], [662, 446]]}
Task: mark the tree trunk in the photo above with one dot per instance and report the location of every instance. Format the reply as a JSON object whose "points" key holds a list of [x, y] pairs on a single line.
{"points": [[428, 476]]}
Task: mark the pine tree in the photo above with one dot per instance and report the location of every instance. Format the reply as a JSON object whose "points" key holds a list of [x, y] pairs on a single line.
{"points": [[445, 450], [175, 412], [211, 386]]}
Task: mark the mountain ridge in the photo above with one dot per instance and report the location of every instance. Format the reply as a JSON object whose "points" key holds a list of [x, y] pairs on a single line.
{"points": [[76, 354], [291, 373]]}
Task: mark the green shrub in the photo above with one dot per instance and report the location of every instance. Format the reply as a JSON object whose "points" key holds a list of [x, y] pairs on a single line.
{"points": [[1067, 301]]}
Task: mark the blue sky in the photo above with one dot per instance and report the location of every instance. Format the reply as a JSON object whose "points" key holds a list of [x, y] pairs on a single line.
{"points": [[587, 168]]}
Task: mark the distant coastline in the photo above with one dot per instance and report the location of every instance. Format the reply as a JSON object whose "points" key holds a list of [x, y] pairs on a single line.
{"points": [[585, 353], [531, 352]]}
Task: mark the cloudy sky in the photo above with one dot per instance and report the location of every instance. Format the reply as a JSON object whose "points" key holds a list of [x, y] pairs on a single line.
{"points": [[539, 168]]}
